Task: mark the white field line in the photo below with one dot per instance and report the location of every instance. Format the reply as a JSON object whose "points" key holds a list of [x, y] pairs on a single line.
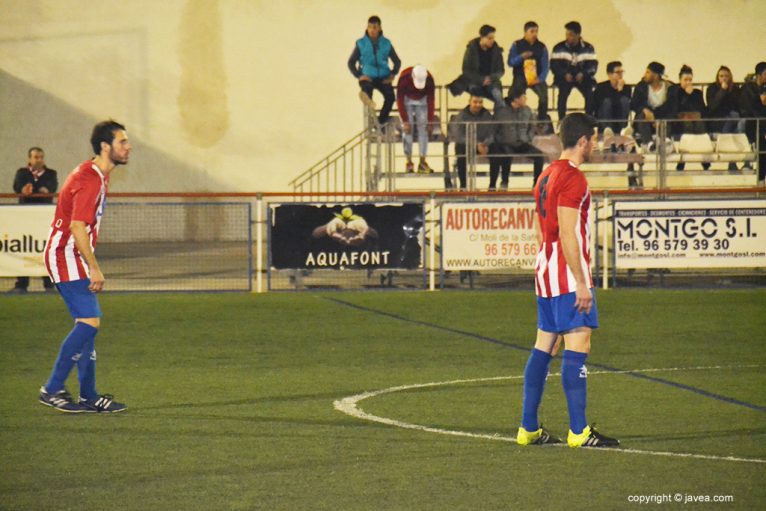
{"points": [[349, 406]]}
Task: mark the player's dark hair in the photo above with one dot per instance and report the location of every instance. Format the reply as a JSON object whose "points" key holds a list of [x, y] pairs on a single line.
{"points": [[485, 30], [574, 26], [374, 20], [575, 126], [760, 67], [685, 70], [104, 132], [612, 66], [33, 149], [530, 24]]}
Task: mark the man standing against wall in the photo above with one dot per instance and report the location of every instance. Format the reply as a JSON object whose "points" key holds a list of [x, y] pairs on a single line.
{"points": [[369, 64], [566, 304], [33, 179], [71, 263]]}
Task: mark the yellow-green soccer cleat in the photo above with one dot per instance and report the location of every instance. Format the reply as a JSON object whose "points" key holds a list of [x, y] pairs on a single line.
{"points": [[591, 438], [539, 437]]}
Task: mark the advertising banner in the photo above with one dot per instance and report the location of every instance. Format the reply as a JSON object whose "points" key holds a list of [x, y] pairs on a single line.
{"points": [[23, 233], [347, 236], [690, 234], [489, 236]]}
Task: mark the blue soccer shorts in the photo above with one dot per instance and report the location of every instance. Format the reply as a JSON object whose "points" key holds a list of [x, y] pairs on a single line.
{"points": [[81, 301], [558, 314]]}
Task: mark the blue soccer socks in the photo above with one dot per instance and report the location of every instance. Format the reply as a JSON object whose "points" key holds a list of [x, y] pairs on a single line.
{"points": [[534, 384], [574, 379], [71, 352], [86, 369]]}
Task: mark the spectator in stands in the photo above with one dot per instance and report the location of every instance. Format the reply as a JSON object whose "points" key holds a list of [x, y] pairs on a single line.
{"points": [[474, 112], [482, 68], [689, 107], [574, 65], [611, 99], [514, 131], [752, 103], [369, 64], [650, 101], [32, 179], [529, 59], [415, 98], [723, 102]]}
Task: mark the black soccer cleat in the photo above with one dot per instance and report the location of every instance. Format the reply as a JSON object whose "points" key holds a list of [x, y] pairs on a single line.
{"points": [[61, 401], [591, 438], [539, 437], [104, 403]]}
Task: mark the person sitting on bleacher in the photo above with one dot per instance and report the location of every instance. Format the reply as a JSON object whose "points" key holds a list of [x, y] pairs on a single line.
{"points": [[514, 131], [650, 101], [574, 65], [415, 99], [482, 68], [723, 102], [611, 100], [722, 98], [474, 112], [689, 107], [529, 59], [752, 103]]}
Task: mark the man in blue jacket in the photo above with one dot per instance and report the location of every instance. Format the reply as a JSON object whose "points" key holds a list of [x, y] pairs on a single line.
{"points": [[369, 64], [574, 66], [529, 59]]}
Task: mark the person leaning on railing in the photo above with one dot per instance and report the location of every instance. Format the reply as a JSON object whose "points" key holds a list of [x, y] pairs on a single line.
{"points": [[752, 103], [415, 97], [473, 113], [514, 131], [35, 178]]}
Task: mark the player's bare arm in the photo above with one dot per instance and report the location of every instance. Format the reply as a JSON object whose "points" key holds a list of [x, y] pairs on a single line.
{"points": [[568, 234], [82, 242]]}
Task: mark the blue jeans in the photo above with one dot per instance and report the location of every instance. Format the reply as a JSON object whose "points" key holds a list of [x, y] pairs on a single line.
{"points": [[610, 110], [417, 113]]}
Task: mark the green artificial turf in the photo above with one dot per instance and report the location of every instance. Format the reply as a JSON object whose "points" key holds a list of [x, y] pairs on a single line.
{"points": [[231, 403]]}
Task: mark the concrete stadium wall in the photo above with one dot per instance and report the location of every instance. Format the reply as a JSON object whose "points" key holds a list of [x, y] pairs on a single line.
{"points": [[236, 95]]}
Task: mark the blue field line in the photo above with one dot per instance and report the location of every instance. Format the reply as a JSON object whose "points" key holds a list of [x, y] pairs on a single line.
{"points": [[526, 349]]}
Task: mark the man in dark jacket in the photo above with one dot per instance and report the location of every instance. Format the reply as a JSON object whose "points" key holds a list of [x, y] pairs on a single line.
{"points": [[35, 178], [369, 64], [514, 132], [611, 99], [574, 66], [473, 113], [529, 59], [752, 103], [650, 101], [482, 68]]}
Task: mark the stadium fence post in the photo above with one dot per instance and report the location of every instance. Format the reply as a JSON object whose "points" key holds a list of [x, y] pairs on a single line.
{"points": [[259, 243], [605, 241], [431, 221]]}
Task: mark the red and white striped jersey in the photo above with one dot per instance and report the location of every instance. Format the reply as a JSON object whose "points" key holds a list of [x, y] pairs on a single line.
{"points": [[83, 197], [561, 184]]}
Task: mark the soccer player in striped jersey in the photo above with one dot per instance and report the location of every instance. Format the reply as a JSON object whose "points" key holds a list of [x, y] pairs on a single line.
{"points": [[71, 262], [566, 304]]}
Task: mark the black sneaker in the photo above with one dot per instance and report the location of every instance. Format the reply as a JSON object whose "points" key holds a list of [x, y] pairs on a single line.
{"points": [[591, 438], [102, 404], [61, 401]]}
